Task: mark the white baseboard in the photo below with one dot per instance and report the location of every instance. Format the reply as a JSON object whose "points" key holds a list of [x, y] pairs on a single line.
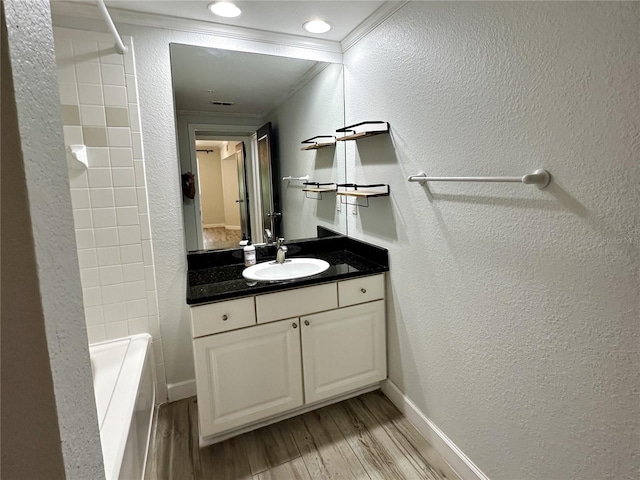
{"points": [[221, 225], [181, 390], [436, 437]]}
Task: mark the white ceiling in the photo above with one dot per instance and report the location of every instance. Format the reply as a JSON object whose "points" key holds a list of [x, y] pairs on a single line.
{"points": [[274, 16], [255, 83]]}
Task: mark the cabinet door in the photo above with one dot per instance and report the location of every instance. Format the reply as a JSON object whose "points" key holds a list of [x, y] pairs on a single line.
{"points": [[343, 350], [247, 375]]}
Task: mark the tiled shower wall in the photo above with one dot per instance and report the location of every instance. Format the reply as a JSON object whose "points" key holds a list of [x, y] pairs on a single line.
{"points": [[109, 198]]}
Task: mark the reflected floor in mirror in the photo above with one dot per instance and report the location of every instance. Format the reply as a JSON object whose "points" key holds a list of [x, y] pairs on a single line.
{"points": [[217, 238], [361, 438]]}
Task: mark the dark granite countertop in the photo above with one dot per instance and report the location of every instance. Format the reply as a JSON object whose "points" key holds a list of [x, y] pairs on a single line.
{"points": [[215, 276]]}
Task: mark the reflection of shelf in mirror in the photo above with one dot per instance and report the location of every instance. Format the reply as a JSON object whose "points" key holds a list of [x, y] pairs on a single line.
{"points": [[363, 130], [321, 141], [319, 188], [362, 191]]}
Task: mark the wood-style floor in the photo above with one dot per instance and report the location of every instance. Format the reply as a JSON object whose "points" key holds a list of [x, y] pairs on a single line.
{"points": [[362, 438], [216, 238]]}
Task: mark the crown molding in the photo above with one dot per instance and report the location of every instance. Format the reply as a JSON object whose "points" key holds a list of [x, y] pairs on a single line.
{"points": [[370, 23], [119, 16]]}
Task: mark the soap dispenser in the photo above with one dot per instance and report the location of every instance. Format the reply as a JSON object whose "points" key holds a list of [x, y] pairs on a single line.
{"points": [[249, 254]]}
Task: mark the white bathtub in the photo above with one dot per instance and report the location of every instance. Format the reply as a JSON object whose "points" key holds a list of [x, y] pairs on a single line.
{"points": [[124, 384]]}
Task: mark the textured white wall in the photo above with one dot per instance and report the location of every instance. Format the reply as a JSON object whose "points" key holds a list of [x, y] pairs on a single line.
{"points": [[513, 312], [315, 109], [49, 286]]}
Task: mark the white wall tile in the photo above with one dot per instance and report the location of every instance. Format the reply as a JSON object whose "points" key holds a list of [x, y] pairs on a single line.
{"points": [[158, 354], [132, 272], [131, 253], [80, 198], [127, 216], [115, 312], [82, 218], [72, 135], [135, 291], [94, 315], [116, 330], [109, 55], [85, 50], [147, 253], [142, 200], [88, 72], [64, 50], [138, 167], [91, 296], [136, 142], [132, 89], [134, 117], [129, 235], [112, 74], [119, 136], [89, 94], [87, 258], [112, 294], [106, 237], [150, 277], [85, 238], [98, 157], [136, 308], [93, 116], [121, 157], [139, 325], [129, 67], [123, 177], [78, 178], [108, 256], [68, 93], [104, 217], [66, 73], [110, 275], [152, 303], [96, 333], [154, 323], [89, 277], [161, 391], [100, 177], [126, 197], [102, 197], [160, 373], [114, 96], [145, 230]]}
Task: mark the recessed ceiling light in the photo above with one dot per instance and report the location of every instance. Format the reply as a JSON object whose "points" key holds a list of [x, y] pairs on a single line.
{"points": [[317, 26], [224, 9]]}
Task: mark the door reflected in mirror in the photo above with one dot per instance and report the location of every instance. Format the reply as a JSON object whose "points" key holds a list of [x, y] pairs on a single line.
{"points": [[240, 120]]}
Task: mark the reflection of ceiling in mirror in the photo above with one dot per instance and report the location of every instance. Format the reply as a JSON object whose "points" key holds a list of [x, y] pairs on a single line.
{"points": [[254, 83]]}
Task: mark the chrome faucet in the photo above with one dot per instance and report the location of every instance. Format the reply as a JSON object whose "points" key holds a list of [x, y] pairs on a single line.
{"points": [[281, 251], [268, 236]]}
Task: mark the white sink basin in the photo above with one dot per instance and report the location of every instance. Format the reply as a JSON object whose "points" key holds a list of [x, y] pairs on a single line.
{"points": [[292, 268]]}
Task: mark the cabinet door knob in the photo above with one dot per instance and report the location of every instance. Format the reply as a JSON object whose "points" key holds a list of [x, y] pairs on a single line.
{"points": [[363, 290], [224, 318], [295, 325], [306, 322]]}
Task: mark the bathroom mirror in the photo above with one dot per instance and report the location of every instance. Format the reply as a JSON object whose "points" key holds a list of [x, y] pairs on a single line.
{"points": [[240, 121]]}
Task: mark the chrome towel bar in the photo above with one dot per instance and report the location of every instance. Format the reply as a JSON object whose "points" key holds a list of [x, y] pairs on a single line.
{"points": [[540, 178]]}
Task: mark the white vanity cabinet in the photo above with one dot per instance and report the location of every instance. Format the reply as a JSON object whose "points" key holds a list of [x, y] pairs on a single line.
{"points": [[276, 354], [247, 375]]}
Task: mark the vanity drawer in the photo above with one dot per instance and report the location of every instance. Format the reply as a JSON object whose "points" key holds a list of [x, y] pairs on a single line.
{"points": [[361, 290], [222, 316], [294, 303]]}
